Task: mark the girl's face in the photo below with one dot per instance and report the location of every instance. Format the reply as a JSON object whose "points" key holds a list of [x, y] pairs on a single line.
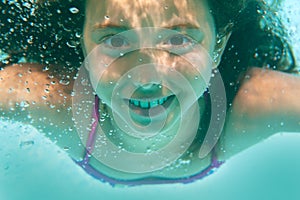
{"points": [[144, 40], [149, 61]]}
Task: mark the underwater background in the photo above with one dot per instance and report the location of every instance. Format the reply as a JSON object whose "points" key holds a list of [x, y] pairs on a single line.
{"points": [[32, 167]]}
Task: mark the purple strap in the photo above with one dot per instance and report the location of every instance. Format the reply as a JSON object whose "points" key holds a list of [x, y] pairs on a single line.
{"points": [[144, 181], [92, 135]]}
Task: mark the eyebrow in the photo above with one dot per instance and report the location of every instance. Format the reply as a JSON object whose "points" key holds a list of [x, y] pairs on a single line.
{"points": [[119, 27], [182, 26], [109, 26]]}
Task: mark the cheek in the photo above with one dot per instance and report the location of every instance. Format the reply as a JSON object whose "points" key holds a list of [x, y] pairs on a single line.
{"points": [[196, 67], [191, 81]]}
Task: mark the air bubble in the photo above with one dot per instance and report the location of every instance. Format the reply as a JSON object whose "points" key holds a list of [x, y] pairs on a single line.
{"points": [[84, 82], [66, 148], [27, 5], [30, 40], [102, 119], [46, 68], [72, 44], [58, 37], [26, 144], [78, 35], [24, 18], [10, 90], [64, 81], [24, 104], [184, 162], [74, 10]]}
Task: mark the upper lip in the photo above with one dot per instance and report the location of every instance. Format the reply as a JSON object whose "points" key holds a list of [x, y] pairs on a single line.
{"points": [[148, 102]]}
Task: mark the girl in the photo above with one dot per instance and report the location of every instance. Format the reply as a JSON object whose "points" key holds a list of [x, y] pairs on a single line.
{"points": [[140, 112]]}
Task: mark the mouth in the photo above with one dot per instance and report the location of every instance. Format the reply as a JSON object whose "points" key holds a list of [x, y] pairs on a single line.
{"points": [[156, 105]]}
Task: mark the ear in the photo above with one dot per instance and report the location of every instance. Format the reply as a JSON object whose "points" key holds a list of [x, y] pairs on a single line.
{"points": [[220, 46]]}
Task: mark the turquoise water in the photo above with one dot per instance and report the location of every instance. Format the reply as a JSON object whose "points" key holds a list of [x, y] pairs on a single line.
{"points": [[32, 168]]}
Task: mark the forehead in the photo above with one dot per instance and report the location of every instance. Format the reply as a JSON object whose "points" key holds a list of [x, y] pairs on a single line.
{"points": [[141, 13]]}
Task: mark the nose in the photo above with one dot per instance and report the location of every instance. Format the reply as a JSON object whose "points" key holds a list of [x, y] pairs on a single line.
{"points": [[143, 69], [148, 90], [148, 87], [147, 77]]}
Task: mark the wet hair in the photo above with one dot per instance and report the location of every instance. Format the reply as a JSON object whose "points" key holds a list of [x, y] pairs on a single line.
{"points": [[258, 39], [47, 32], [50, 31]]}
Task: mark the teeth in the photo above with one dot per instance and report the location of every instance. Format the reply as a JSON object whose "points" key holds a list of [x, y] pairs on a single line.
{"points": [[144, 104], [135, 102], [148, 104]]}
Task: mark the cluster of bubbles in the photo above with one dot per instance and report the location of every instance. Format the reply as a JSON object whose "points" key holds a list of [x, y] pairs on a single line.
{"points": [[290, 15], [46, 32]]}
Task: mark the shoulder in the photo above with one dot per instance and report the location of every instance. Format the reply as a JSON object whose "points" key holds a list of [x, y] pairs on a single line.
{"points": [[266, 103], [267, 91], [33, 83], [40, 96]]}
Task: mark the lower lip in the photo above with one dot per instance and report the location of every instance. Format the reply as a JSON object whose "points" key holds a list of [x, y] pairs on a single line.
{"points": [[155, 111]]}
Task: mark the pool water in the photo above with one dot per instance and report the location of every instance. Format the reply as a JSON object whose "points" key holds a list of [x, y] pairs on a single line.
{"points": [[32, 167]]}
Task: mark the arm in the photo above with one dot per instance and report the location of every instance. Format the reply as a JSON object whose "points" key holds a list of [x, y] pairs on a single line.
{"points": [[34, 96], [267, 103]]}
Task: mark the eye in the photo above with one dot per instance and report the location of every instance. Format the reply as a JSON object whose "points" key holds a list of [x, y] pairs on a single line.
{"points": [[178, 44], [115, 41], [178, 40]]}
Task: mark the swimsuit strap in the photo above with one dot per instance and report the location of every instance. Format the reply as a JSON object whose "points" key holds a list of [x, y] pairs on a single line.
{"points": [[144, 181], [92, 135]]}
